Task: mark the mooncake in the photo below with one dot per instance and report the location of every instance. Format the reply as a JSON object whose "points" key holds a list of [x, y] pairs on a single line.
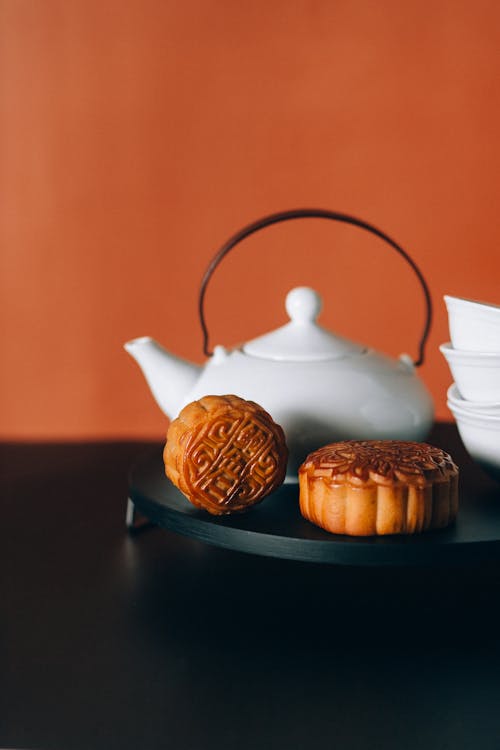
{"points": [[378, 487], [225, 454]]}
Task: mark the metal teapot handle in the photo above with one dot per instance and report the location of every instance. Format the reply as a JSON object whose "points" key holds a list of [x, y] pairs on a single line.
{"points": [[315, 213]]}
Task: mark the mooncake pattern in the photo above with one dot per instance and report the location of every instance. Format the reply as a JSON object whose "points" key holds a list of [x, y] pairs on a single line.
{"points": [[225, 453]]}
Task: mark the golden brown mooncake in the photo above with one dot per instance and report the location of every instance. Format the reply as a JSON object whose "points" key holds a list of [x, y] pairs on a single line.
{"points": [[378, 487], [225, 454]]}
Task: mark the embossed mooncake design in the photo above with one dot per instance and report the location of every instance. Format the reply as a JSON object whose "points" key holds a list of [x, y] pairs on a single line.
{"points": [[378, 487], [225, 454]]}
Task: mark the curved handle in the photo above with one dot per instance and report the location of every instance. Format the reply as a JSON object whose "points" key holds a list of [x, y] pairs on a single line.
{"points": [[314, 213]]}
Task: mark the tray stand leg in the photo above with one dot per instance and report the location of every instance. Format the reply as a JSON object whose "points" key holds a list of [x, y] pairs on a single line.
{"points": [[134, 521]]}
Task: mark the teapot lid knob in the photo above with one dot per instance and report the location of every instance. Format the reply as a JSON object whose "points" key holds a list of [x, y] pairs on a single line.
{"points": [[303, 304], [302, 339]]}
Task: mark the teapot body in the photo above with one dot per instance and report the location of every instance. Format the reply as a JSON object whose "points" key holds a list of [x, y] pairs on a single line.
{"points": [[369, 396]]}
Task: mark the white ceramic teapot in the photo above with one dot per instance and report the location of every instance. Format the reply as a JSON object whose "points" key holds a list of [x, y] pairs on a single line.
{"points": [[318, 386]]}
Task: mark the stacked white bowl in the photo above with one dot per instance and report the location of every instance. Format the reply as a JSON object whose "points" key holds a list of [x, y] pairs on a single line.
{"points": [[473, 356]]}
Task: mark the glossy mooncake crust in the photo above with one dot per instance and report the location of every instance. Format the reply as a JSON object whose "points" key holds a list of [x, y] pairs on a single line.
{"points": [[225, 454], [379, 487]]}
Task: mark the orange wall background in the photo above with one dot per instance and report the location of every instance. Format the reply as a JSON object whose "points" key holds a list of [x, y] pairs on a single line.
{"points": [[136, 136]]}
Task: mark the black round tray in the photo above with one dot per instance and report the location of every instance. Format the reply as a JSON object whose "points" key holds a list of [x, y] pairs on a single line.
{"points": [[276, 528]]}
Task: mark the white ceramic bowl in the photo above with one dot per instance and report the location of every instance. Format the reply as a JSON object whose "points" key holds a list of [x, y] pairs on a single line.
{"points": [[486, 408], [481, 437], [474, 326], [476, 374]]}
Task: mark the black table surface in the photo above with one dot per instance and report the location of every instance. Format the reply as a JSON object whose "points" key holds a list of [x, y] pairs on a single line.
{"points": [[152, 640]]}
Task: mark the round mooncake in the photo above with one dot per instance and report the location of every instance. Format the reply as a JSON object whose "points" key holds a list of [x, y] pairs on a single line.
{"points": [[378, 487], [225, 454]]}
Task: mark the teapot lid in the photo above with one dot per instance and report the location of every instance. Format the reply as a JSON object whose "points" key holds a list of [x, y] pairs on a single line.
{"points": [[302, 339]]}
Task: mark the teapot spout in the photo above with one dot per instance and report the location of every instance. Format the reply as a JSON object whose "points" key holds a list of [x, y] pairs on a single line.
{"points": [[169, 377]]}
